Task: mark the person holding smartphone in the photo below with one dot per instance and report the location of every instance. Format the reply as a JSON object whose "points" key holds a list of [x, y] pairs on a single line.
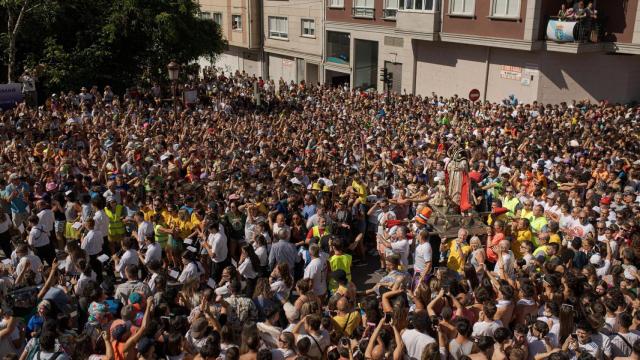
{"points": [[581, 342]]}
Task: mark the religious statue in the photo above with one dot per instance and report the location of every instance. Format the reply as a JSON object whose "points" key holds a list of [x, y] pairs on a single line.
{"points": [[458, 182]]}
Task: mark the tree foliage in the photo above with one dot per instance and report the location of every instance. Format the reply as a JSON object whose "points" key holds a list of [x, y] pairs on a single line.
{"points": [[116, 42]]}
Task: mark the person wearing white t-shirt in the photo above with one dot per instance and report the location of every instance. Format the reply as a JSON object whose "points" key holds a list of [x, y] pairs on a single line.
{"points": [[92, 244], [216, 246], [153, 252], [487, 325], [622, 341], [39, 241], [399, 245], [192, 269], [317, 271], [101, 220], [25, 257], [416, 339], [423, 254], [144, 228], [45, 216], [129, 256]]}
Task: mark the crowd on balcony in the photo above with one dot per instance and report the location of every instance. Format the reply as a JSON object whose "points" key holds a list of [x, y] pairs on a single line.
{"points": [[577, 11], [232, 230]]}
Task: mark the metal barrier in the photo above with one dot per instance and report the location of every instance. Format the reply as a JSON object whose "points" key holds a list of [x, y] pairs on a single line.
{"points": [[363, 12], [389, 13]]}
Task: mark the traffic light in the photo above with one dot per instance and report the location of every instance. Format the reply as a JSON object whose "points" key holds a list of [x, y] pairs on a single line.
{"points": [[384, 74]]}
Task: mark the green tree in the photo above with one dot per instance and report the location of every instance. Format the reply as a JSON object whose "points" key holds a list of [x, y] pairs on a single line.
{"points": [[116, 42]]}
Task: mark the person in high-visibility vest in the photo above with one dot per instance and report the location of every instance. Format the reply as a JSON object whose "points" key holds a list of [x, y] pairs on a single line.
{"points": [[511, 202], [114, 212], [319, 231], [161, 231]]}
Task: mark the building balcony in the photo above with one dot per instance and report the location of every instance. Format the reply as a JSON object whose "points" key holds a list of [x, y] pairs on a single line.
{"points": [[420, 24], [573, 35], [389, 14], [363, 12]]}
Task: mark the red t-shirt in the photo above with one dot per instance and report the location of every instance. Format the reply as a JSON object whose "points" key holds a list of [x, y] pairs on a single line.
{"points": [[495, 240]]}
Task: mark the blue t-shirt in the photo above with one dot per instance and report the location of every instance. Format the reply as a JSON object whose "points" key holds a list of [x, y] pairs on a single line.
{"points": [[34, 324], [308, 211], [18, 204]]}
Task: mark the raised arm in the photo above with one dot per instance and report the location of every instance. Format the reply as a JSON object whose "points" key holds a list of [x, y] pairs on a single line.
{"points": [[399, 350], [373, 339], [133, 339], [51, 279], [386, 302], [433, 302]]}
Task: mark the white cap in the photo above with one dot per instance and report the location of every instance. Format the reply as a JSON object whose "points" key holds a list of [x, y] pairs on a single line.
{"points": [[596, 260]]}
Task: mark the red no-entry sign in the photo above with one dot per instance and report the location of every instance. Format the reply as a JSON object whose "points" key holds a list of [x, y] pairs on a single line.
{"points": [[474, 95]]}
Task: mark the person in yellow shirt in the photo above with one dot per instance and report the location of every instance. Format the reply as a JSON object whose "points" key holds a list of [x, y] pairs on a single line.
{"points": [[553, 227], [156, 208], [360, 188], [338, 261], [523, 233], [457, 250], [346, 319], [527, 210], [538, 221], [184, 224]]}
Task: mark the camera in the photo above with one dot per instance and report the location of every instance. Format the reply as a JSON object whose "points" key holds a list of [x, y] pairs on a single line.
{"points": [[345, 341], [387, 317]]}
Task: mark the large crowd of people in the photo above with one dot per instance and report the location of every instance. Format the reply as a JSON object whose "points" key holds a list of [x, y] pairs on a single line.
{"points": [[233, 229]]}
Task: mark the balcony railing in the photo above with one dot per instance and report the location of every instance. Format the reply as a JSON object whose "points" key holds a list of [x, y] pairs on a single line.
{"points": [[573, 30], [363, 12], [389, 13]]}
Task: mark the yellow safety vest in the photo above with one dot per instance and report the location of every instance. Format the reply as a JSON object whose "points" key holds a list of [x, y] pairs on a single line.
{"points": [[116, 226], [161, 238], [316, 231], [511, 205]]}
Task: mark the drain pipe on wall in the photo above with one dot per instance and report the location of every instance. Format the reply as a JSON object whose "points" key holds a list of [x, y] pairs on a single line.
{"points": [[323, 40], [486, 74]]}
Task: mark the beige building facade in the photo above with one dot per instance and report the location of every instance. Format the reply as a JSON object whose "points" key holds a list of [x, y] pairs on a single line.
{"points": [[241, 25], [500, 47], [293, 39]]}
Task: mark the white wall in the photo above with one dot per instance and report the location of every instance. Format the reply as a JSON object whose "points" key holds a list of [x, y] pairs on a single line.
{"points": [[449, 69], [552, 77], [239, 59], [282, 67]]}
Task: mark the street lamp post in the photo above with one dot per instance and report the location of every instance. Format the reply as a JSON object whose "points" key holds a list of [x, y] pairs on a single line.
{"points": [[173, 69]]}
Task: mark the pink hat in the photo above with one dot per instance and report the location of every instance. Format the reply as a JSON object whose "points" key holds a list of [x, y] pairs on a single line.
{"points": [[51, 186], [297, 170], [234, 197]]}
